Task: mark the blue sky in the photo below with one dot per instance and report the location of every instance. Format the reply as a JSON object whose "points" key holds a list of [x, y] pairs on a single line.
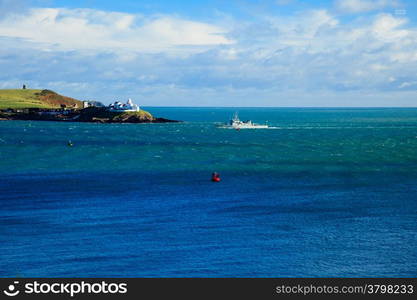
{"points": [[214, 53]]}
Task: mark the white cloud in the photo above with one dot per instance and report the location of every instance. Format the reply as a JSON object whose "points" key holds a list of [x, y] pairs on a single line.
{"points": [[407, 84], [360, 6], [387, 27], [80, 29]]}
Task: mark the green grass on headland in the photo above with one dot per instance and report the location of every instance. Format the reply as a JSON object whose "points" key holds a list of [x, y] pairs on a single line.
{"points": [[20, 99], [139, 115], [100, 114], [29, 98]]}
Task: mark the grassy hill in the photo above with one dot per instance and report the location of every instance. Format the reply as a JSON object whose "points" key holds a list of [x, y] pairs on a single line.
{"points": [[140, 115], [19, 98], [99, 114]]}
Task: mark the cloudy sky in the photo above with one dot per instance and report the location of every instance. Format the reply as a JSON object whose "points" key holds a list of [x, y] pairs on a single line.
{"points": [[214, 53]]}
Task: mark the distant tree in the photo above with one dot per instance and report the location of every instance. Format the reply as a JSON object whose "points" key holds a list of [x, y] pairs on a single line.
{"points": [[24, 86]]}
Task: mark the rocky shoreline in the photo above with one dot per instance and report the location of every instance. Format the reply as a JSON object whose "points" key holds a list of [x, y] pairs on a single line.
{"points": [[89, 115]]}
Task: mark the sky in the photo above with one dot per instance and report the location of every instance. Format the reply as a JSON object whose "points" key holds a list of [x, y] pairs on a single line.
{"points": [[280, 53]]}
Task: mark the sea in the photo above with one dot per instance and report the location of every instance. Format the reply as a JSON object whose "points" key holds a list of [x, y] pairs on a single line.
{"points": [[324, 192]]}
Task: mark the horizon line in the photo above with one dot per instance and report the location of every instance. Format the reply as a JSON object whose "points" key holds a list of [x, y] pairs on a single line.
{"points": [[320, 107]]}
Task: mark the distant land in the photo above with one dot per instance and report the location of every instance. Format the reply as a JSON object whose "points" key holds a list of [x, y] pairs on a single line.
{"points": [[28, 98], [47, 105]]}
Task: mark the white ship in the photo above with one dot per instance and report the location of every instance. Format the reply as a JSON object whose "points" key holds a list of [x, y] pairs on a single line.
{"points": [[235, 123]]}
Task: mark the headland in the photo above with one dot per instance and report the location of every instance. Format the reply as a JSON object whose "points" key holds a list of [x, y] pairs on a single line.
{"points": [[47, 105]]}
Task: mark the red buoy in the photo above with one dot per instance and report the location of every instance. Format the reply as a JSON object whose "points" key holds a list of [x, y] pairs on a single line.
{"points": [[215, 177]]}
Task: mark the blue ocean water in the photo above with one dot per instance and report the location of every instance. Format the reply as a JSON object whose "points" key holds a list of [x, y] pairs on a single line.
{"points": [[324, 193]]}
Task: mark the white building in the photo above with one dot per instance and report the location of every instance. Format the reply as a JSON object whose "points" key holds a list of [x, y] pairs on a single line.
{"points": [[122, 107], [92, 103]]}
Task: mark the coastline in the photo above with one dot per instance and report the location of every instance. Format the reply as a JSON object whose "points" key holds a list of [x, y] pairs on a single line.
{"points": [[86, 115]]}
